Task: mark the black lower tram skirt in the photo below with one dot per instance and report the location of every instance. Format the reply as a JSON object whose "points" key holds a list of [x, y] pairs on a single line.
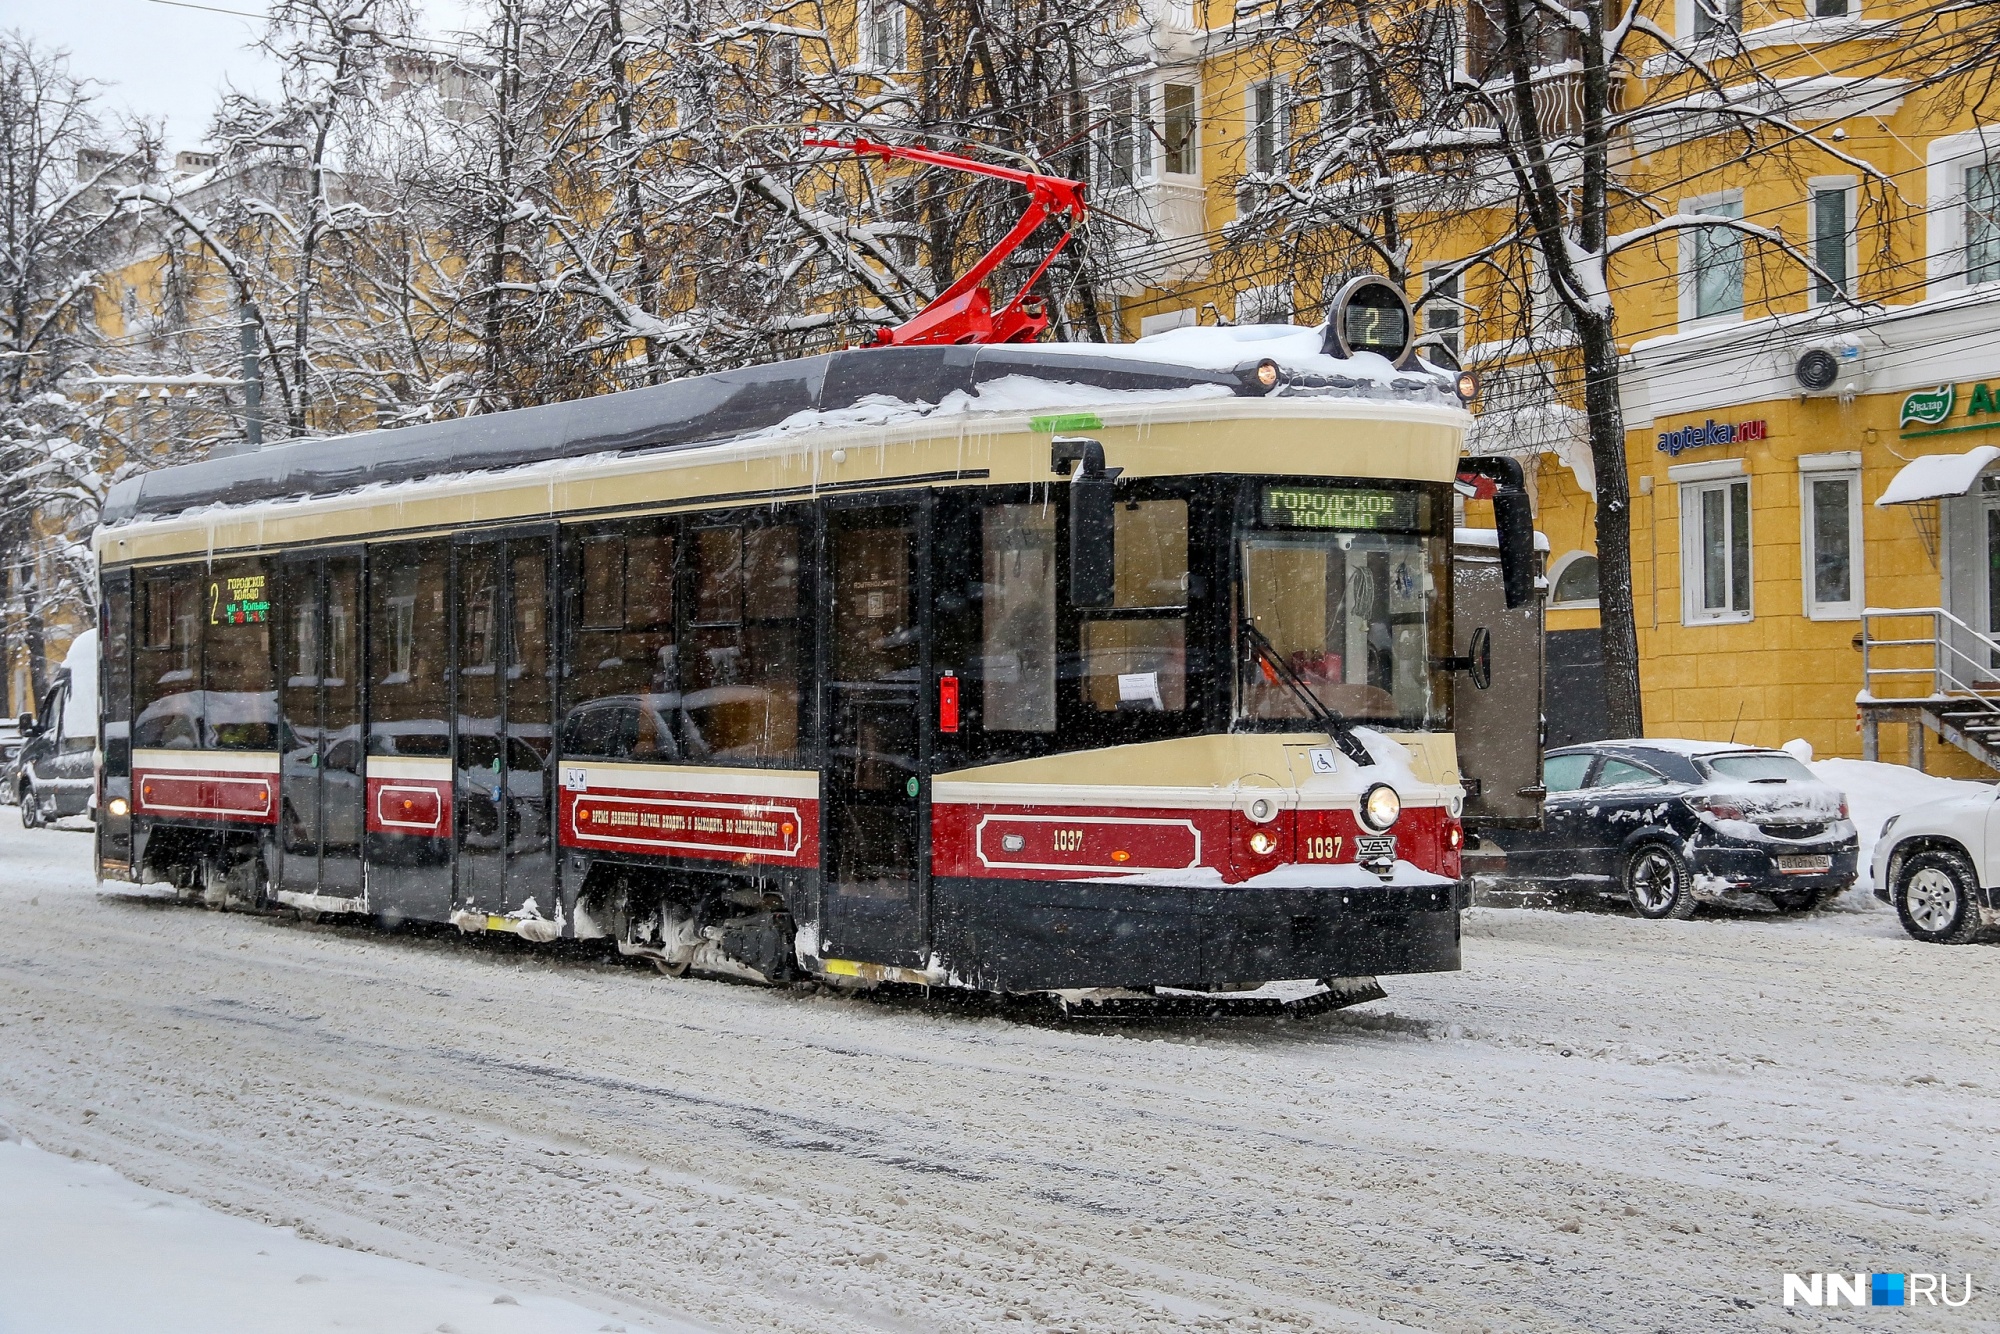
{"points": [[1021, 935]]}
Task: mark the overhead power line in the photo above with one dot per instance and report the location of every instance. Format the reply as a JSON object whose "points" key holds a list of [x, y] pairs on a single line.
{"points": [[213, 9]]}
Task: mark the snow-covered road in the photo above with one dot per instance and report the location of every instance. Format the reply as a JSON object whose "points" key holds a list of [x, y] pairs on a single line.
{"points": [[1601, 1123]]}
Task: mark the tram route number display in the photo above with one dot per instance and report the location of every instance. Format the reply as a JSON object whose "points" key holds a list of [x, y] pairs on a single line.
{"points": [[239, 600], [1338, 508], [1375, 328]]}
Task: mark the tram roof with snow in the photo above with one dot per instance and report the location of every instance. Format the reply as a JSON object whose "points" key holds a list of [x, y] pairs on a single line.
{"points": [[1181, 403]]}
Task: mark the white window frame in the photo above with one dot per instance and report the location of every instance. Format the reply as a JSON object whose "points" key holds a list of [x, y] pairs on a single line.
{"points": [[1339, 90], [779, 58], [1945, 232], [1696, 480], [874, 15], [1552, 323], [1684, 21], [1689, 279], [1842, 466], [1454, 334], [1157, 101], [1252, 302], [1555, 575], [1280, 125], [1137, 117], [1816, 186]]}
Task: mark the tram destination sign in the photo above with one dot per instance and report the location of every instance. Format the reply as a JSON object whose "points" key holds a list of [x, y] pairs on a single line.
{"points": [[1338, 507]]}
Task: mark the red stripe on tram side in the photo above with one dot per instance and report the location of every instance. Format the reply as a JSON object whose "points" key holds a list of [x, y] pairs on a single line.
{"points": [[186, 792], [419, 807], [712, 826], [1072, 842], [1090, 842]]}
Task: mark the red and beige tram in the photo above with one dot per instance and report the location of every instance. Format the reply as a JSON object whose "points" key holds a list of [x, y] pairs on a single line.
{"points": [[1010, 667]]}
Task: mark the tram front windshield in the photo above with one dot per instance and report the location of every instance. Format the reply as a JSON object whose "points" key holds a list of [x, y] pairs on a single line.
{"points": [[1343, 585]]}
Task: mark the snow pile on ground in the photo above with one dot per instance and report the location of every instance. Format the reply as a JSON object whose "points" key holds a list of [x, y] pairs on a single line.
{"points": [[83, 1249], [1874, 793]]}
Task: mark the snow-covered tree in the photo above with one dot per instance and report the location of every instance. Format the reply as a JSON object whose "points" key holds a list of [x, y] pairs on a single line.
{"points": [[57, 171]]}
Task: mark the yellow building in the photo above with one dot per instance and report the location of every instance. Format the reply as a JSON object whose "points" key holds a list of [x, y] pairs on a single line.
{"points": [[1760, 530], [1769, 406]]}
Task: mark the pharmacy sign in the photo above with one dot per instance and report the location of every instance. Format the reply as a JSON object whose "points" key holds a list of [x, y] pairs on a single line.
{"points": [[1929, 407]]}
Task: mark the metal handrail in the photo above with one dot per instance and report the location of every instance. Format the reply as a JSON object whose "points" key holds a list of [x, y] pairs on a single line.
{"points": [[1948, 659]]}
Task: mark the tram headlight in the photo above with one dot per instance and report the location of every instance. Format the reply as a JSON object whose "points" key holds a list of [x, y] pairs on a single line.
{"points": [[1380, 806], [1267, 373], [119, 806], [1263, 844]]}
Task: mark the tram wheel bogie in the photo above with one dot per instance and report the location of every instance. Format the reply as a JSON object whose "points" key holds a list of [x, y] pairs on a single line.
{"points": [[736, 929]]}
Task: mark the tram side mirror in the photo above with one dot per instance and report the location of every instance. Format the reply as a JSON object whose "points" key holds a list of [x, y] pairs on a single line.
{"points": [[25, 724], [1091, 551], [1502, 480], [1515, 518], [1092, 519], [1477, 662]]}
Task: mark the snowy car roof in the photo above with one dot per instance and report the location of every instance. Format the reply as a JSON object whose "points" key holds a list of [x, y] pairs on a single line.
{"points": [[727, 405], [1675, 745]]}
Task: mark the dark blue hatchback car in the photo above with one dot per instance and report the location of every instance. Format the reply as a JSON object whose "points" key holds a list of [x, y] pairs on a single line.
{"points": [[1669, 825]]}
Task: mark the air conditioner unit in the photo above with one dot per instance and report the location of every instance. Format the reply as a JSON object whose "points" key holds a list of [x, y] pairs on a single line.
{"points": [[1834, 367]]}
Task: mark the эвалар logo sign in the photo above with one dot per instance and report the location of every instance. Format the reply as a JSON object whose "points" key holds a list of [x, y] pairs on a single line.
{"points": [[1929, 407]]}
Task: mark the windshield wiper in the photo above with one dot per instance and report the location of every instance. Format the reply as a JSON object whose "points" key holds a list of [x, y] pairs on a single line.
{"points": [[1337, 726]]}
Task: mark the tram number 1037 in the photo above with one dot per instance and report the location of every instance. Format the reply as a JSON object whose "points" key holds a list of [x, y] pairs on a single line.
{"points": [[1068, 840], [1322, 848]]}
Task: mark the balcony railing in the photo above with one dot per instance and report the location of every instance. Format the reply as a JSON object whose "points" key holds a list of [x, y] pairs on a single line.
{"points": [[1558, 100], [1168, 240]]}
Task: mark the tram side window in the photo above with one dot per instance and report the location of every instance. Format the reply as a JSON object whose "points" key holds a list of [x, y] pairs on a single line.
{"points": [[166, 684], [740, 667], [622, 669], [1134, 653], [407, 647], [1017, 649], [117, 685], [239, 689]]}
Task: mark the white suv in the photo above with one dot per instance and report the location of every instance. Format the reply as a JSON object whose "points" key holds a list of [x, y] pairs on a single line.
{"points": [[1939, 867]]}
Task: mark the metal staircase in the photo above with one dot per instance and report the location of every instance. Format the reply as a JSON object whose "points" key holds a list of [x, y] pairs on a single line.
{"points": [[1924, 667]]}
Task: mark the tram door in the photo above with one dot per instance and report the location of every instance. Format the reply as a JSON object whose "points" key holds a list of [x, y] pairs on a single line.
{"points": [[504, 736], [871, 905], [319, 685]]}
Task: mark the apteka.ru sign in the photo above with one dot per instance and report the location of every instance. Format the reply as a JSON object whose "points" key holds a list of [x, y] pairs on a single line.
{"points": [[1711, 432]]}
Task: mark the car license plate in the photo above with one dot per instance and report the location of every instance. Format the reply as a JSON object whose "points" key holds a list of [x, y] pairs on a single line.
{"points": [[1374, 849], [1804, 865]]}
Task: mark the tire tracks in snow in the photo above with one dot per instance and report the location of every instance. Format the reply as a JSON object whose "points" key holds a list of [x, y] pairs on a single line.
{"points": [[768, 1161]]}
